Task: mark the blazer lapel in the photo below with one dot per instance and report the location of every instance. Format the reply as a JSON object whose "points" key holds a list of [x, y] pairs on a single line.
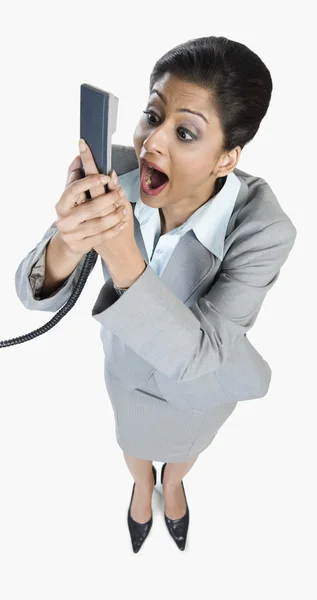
{"points": [[188, 266]]}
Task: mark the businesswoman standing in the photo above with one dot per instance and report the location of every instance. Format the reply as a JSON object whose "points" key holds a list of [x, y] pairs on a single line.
{"points": [[185, 277]]}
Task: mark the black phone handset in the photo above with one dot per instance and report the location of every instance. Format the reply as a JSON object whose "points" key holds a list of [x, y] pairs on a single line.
{"points": [[98, 121]]}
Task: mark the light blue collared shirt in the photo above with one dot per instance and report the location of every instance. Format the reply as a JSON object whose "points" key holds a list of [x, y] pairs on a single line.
{"points": [[209, 222]]}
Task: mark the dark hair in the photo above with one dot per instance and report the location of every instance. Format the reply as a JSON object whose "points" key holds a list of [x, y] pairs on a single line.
{"points": [[239, 83]]}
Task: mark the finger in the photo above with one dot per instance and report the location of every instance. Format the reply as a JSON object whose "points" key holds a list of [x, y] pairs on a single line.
{"points": [[82, 196], [102, 206], [74, 167], [96, 231], [71, 194], [74, 174], [89, 166], [99, 225], [106, 235], [113, 183]]}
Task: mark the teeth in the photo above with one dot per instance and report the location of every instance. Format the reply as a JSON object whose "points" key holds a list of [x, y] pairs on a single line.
{"points": [[148, 176]]}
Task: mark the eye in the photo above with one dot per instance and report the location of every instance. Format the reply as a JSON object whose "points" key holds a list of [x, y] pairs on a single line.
{"points": [[147, 112], [193, 136]]}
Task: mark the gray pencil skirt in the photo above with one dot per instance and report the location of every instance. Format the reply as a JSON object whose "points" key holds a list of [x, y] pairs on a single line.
{"points": [[149, 427]]}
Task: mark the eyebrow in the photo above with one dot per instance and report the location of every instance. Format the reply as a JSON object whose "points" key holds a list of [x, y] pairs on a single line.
{"points": [[194, 112]]}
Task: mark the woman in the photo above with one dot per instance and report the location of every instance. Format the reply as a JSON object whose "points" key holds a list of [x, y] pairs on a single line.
{"points": [[207, 99]]}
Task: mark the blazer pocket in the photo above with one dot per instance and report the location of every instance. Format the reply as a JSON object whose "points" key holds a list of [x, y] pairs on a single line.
{"points": [[200, 394]]}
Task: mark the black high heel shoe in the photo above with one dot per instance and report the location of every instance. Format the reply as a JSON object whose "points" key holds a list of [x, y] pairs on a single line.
{"points": [[177, 527], [139, 531]]}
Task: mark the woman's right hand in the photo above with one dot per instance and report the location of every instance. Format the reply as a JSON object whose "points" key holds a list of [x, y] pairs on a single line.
{"points": [[72, 234]]}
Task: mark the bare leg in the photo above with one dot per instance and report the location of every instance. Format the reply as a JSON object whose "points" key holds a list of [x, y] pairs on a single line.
{"points": [[174, 499], [141, 471]]}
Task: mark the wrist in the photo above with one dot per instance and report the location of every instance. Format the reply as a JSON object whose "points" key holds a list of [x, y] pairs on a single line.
{"points": [[120, 289], [69, 253], [125, 270]]}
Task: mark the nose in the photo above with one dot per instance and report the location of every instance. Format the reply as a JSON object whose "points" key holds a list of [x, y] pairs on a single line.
{"points": [[155, 142]]}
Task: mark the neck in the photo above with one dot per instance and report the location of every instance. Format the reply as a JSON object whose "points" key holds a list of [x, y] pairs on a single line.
{"points": [[166, 227]]}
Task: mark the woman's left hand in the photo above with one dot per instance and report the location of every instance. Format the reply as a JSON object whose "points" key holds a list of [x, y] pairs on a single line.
{"points": [[124, 241]]}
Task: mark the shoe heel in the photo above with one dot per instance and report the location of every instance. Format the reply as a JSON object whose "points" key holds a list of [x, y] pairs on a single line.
{"points": [[154, 474]]}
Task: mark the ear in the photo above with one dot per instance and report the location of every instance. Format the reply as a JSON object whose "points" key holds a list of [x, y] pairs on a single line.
{"points": [[228, 162]]}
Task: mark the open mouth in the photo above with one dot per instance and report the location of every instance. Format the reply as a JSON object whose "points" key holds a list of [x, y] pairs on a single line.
{"points": [[152, 181]]}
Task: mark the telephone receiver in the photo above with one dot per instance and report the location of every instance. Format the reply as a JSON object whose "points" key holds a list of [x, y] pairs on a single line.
{"points": [[98, 121]]}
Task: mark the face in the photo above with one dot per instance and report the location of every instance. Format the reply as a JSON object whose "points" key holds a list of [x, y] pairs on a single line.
{"points": [[186, 146]]}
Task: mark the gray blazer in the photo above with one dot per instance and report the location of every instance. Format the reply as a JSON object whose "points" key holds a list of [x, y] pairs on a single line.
{"points": [[188, 331]]}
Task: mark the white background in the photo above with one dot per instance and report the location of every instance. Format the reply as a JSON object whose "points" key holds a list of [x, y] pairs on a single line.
{"points": [[65, 488]]}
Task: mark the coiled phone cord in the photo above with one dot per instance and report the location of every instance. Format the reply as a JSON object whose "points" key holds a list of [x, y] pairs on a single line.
{"points": [[88, 265]]}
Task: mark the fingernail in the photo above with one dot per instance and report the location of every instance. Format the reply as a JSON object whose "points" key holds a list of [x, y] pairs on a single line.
{"points": [[82, 145], [114, 177]]}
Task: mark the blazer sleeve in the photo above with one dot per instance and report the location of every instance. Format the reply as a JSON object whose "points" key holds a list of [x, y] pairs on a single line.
{"points": [[30, 276], [153, 322]]}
